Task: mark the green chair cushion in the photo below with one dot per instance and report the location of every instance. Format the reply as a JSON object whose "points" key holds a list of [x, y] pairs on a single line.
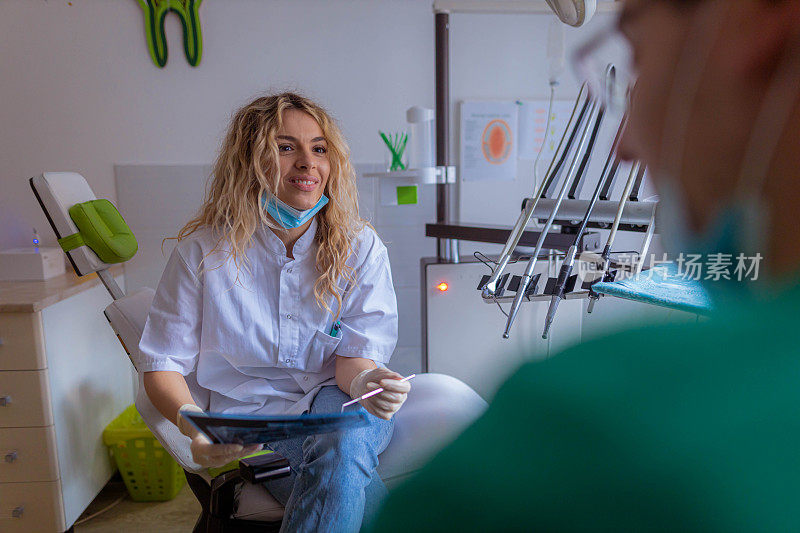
{"points": [[101, 228]]}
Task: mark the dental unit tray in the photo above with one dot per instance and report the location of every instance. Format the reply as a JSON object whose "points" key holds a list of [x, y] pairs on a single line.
{"points": [[249, 429], [508, 284], [662, 286]]}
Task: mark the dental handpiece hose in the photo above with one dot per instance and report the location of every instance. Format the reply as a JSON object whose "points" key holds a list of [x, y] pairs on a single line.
{"points": [[530, 203], [571, 176], [593, 296], [648, 239], [606, 256], [569, 261], [563, 276]]}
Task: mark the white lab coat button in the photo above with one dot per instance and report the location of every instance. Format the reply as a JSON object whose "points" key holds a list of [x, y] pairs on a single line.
{"points": [[288, 317], [289, 271], [305, 378]]}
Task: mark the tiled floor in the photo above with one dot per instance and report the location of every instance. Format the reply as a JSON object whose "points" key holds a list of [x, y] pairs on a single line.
{"points": [[177, 515]]}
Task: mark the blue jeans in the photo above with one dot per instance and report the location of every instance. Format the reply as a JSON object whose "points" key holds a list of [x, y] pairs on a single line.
{"points": [[333, 485]]}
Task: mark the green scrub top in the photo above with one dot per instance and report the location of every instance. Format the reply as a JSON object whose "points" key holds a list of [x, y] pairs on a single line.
{"points": [[693, 427]]}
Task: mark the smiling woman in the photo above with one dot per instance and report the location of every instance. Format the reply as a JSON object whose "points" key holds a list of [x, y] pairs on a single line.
{"points": [[275, 146], [279, 297]]}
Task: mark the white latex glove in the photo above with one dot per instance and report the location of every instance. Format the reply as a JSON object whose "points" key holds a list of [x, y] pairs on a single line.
{"points": [[386, 403], [206, 453]]}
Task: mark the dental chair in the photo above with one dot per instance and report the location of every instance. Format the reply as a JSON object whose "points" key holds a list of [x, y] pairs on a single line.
{"points": [[94, 237]]}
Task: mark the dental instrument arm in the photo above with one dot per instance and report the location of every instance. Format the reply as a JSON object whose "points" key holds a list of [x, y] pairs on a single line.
{"points": [[571, 176], [569, 261], [648, 238], [634, 197], [529, 204], [577, 185], [608, 188], [606, 255], [552, 177]]}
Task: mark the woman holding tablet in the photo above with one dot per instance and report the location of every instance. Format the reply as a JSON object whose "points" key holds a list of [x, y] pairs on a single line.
{"points": [[280, 298]]}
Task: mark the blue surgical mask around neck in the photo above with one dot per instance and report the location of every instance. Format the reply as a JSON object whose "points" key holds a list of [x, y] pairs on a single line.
{"points": [[287, 216], [737, 230]]}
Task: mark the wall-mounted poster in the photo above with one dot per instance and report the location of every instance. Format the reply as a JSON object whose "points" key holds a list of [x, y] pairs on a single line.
{"points": [[488, 141]]}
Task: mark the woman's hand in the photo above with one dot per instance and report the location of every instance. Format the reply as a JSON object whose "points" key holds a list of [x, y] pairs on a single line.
{"points": [[384, 404], [206, 453], [210, 455]]}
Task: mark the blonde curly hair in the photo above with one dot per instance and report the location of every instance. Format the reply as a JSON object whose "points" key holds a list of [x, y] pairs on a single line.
{"points": [[247, 168]]}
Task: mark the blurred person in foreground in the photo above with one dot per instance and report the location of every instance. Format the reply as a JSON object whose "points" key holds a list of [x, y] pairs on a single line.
{"points": [[683, 427]]}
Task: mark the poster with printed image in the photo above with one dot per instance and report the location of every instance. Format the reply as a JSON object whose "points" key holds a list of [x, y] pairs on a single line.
{"points": [[488, 141], [535, 133]]}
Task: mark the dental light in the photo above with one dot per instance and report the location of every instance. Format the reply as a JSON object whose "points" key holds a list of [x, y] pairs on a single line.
{"points": [[573, 12]]}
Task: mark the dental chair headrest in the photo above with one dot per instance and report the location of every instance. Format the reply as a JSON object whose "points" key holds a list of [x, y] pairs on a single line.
{"points": [[102, 229], [58, 193]]}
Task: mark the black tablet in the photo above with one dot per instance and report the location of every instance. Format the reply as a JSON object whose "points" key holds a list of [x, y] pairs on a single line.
{"points": [[249, 429]]}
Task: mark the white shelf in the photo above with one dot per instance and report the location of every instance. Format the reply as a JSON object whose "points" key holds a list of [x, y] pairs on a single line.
{"points": [[425, 176], [509, 6]]}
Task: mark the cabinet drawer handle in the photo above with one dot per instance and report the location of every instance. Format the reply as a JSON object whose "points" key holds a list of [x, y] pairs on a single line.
{"points": [[5, 400], [11, 456], [17, 511]]}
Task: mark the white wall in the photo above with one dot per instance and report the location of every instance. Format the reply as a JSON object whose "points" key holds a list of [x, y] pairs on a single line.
{"points": [[79, 92]]}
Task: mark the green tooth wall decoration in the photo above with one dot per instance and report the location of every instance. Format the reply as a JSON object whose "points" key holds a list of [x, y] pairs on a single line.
{"points": [[155, 11]]}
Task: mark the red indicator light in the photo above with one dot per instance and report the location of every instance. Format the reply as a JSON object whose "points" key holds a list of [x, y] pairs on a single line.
{"points": [[443, 286]]}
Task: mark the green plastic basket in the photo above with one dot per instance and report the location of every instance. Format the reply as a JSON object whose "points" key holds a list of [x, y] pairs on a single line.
{"points": [[149, 473]]}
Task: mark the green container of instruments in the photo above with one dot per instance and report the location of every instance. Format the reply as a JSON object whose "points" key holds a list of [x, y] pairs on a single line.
{"points": [[149, 472]]}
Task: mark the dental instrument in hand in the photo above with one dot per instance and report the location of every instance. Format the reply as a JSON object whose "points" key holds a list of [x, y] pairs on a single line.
{"points": [[529, 204], [606, 255], [583, 148], [376, 391]]}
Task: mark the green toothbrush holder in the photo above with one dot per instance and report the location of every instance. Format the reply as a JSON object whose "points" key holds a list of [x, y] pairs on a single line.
{"points": [[395, 154]]}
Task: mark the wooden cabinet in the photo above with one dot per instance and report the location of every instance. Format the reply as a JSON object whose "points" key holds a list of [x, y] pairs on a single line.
{"points": [[63, 377], [25, 398]]}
